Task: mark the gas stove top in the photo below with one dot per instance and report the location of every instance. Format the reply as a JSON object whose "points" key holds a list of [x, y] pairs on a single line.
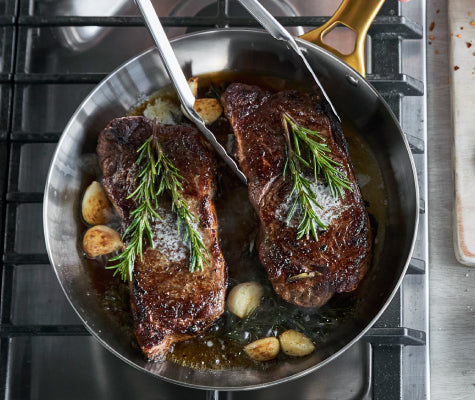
{"points": [[53, 54]]}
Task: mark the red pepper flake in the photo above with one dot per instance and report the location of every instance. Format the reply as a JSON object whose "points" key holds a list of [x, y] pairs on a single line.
{"points": [[472, 23], [430, 42], [461, 28], [473, 54], [456, 67], [432, 25], [438, 11], [436, 52], [469, 13], [469, 44]]}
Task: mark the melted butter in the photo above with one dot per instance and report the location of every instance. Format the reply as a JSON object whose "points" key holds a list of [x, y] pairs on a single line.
{"points": [[370, 180], [208, 352]]}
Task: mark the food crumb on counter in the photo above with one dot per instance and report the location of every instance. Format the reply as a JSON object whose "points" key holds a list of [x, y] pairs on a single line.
{"points": [[456, 67], [432, 26], [459, 35], [469, 44], [431, 37]]}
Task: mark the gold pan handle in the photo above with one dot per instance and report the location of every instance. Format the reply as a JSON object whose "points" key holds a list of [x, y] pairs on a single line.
{"points": [[356, 15]]}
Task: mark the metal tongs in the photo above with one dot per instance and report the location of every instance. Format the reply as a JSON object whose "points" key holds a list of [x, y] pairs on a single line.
{"points": [[272, 26], [179, 81]]}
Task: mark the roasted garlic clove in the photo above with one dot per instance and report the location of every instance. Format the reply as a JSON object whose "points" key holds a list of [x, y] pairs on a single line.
{"points": [[193, 84], [263, 349], [100, 240], [244, 298], [296, 344], [96, 208], [209, 109]]}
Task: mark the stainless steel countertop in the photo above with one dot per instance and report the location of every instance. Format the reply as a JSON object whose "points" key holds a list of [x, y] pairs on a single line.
{"points": [[452, 285]]}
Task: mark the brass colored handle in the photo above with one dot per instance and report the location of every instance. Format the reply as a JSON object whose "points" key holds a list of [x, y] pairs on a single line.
{"points": [[356, 15]]}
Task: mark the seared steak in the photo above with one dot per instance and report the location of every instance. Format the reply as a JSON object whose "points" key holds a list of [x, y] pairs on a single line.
{"points": [[303, 271], [169, 303]]}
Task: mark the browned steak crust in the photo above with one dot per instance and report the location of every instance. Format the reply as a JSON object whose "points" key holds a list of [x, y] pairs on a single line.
{"points": [[169, 304], [340, 257]]}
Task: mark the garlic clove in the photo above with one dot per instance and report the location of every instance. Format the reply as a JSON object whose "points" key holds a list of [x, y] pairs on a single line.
{"points": [[263, 349], [244, 298], [209, 109], [100, 240], [295, 344], [96, 207]]}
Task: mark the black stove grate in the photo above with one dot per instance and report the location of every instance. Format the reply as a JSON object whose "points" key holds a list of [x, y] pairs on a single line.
{"points": [[32, 115]]}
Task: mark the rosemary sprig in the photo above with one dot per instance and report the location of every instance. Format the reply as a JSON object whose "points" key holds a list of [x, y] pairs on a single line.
{"points": [[306, 150], [157, 174]]}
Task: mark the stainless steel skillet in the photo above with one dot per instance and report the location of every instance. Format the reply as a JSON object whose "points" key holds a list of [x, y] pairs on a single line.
{"points": [[250, 51]]}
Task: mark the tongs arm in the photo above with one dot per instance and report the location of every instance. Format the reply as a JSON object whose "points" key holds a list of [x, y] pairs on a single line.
{"points": [[271, 25]]}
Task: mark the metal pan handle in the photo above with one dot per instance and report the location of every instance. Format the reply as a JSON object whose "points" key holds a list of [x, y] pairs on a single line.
{"points": [[356, 15]]}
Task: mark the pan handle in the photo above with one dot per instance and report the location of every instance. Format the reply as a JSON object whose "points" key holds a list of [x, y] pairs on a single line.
{"points": [[356, 15]]}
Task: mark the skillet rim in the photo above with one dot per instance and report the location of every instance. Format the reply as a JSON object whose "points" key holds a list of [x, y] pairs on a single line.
{"points": [[306, 46]]}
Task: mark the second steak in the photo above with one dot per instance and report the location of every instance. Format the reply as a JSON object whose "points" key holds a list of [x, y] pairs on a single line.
{"points": [[302, 271]]}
